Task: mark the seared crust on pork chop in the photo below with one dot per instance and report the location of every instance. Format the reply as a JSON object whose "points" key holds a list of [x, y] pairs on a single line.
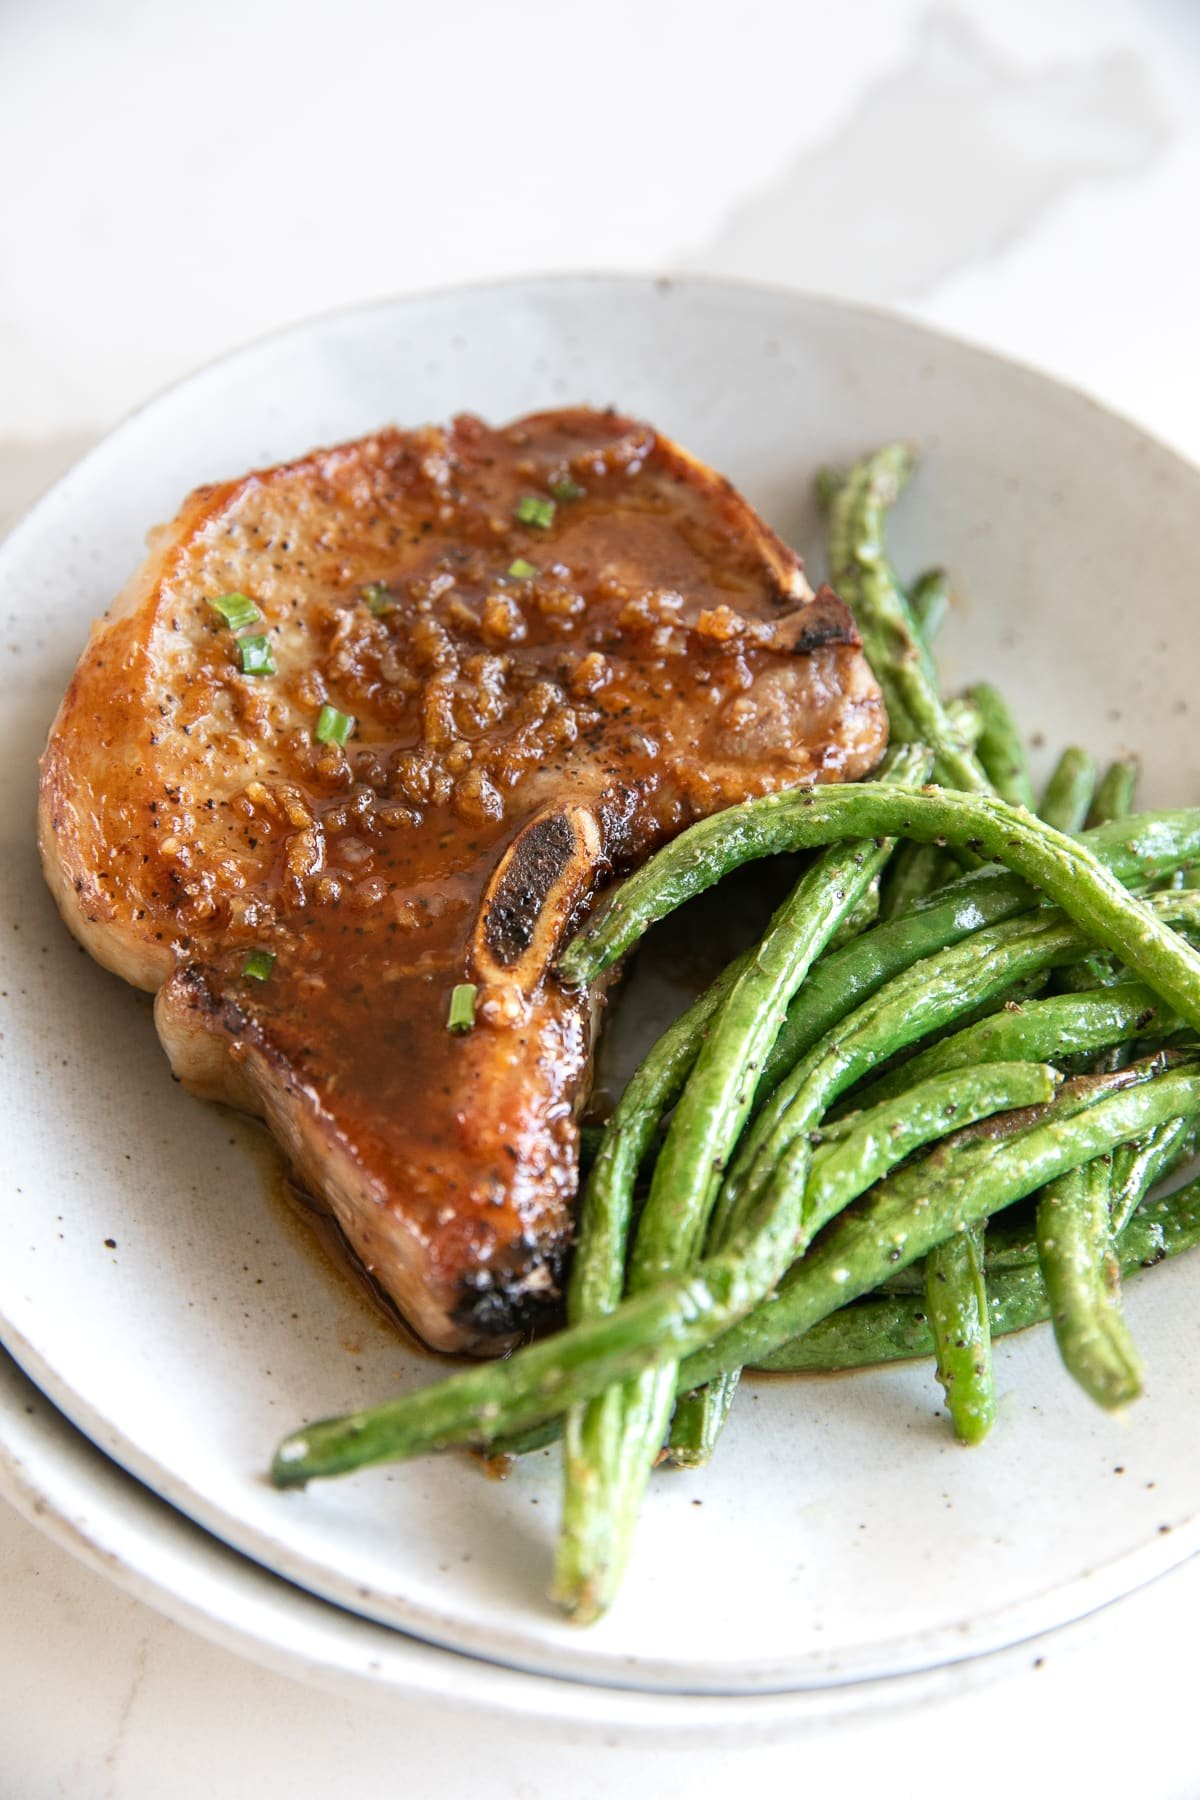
{"points": [[559, 643]]}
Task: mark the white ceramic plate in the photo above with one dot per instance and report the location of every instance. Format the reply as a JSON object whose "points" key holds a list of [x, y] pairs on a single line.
{"points": [[840, 1535]]}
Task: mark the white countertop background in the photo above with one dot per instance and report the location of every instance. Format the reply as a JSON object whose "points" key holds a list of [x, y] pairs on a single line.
{"points": [[178, 179]]}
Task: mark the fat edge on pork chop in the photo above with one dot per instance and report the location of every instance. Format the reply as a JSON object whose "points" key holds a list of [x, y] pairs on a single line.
{"points": [[548, 648]]}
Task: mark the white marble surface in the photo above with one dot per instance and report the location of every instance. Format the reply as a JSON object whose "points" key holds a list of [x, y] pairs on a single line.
{"points": [[179, 179]]}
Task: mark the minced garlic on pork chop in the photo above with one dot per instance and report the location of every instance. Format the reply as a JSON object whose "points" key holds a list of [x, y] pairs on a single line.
{"points": [[376, 724]]}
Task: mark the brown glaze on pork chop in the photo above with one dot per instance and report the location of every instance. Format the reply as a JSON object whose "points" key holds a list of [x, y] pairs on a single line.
{"points": [[560, 643]]}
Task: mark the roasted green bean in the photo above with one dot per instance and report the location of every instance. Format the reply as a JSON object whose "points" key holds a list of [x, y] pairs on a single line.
{"points": [[919, 1207], [915, 871], [603, 1472], [604, 1479], [904, 1217], [1000, 749], [1138, 1165], [1070, 791], [872, 1144], [1147, 849], [1116, 792], [1062, 867], [957, 1304], [1039, 1030], [926, 998], [895, 647], [892, 1328], [1073, 1218], [929, 597]]}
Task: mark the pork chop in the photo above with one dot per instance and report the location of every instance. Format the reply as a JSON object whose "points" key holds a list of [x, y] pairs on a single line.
{"points": [[490, 668]]}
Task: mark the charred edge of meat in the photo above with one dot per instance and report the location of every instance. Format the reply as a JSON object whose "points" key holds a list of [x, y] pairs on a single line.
{"points": [[826, 621], [540, 858], [227, 1018], [520, 1292], [219, 1007]]}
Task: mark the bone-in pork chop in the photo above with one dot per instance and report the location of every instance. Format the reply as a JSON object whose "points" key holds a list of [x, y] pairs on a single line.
{"points": [[454, 679]]}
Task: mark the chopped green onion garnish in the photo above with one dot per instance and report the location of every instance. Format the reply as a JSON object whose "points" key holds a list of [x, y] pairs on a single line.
{"points": [[377, 596], [532, 509], [461, 1016], [256, 656], [522, 570], [258, 965], [566, 489], [237, 610], [333, 727]]}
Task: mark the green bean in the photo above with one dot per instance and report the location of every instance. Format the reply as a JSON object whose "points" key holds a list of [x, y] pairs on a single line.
{"points": [[896, 649], [920, 1206], [1006, 1246], [1070, 791], [953, 1272], [594, 1437], [954, 1278], [707, 1121], [1000, 749], [894, 1327], [1011, 1243], [691, 1317], [965, 719], [892, 1322], [1062, 1025], [699, 1419], [1062, 867], [1148, 847], [929, 598], [916, 870], [716, 1100], [897, 1223], [897, 1327], [860, 918], [846, 978], [1139, 1165], [598, 1267], [957, 1304], [874, 1143], [1115, 795], [1073, 1251], [1113, 800], [603, 1477], [927, 997]]}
